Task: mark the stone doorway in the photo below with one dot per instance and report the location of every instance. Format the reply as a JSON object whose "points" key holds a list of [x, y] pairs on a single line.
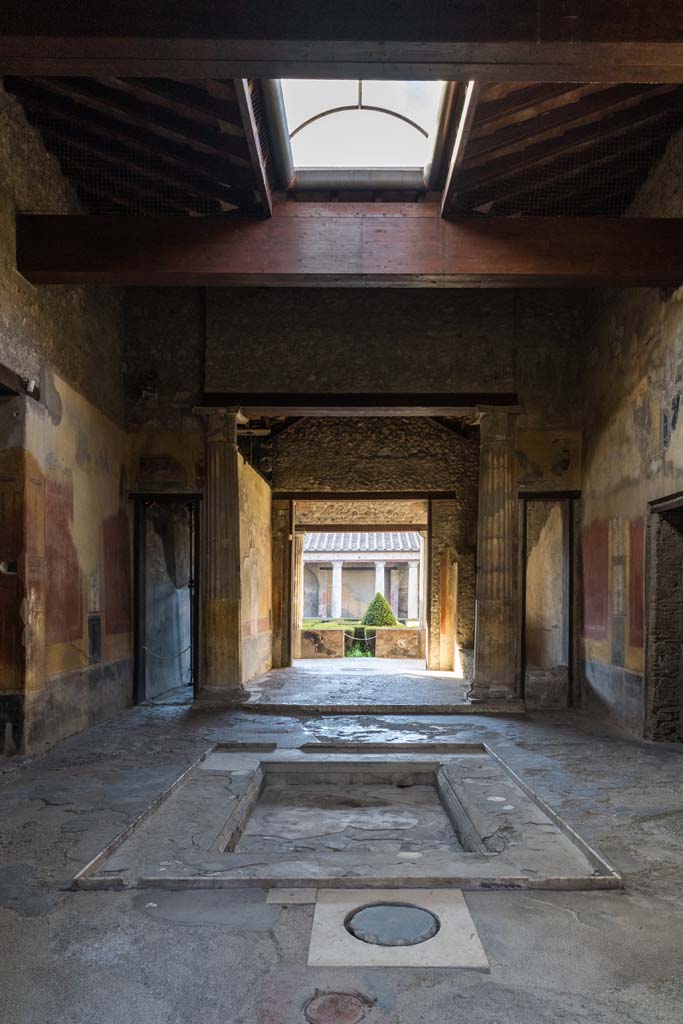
{"points": [[548, 594], [664, 643], [166, 598]]}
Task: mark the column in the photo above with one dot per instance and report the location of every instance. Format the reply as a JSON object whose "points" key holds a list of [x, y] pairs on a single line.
{"points": [[322, 593], [336, 590], [394, 581], [221, 619], [496, 673], [379, 578], [298, 595], [282, 516], [413, 585]]}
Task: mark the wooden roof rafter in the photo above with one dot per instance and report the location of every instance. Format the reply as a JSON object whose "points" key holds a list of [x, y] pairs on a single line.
{"points": [[156, 132]]}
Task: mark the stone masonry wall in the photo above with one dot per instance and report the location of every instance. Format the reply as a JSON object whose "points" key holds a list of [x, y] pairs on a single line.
{"points": [[633, 453], [65, 641], [397, 340], [75, 331]]}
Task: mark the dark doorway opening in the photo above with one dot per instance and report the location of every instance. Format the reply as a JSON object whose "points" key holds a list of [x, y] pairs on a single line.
{"points": [[166, 597], [664, 641], [548, 596]]}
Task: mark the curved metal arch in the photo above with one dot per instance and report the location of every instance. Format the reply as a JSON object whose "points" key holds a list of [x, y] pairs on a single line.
{"points": [[361, 106]]}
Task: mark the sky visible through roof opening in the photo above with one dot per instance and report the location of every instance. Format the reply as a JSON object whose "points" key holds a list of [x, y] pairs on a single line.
{"points": [[361, 138]]}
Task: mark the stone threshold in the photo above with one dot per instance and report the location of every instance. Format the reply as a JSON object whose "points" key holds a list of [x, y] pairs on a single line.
{"points": [[507, 707]]}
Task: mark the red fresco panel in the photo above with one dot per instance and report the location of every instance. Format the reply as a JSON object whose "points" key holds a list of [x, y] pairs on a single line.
{"points": [[635, 581], [116, 541], [64, 591], [595, 545]]}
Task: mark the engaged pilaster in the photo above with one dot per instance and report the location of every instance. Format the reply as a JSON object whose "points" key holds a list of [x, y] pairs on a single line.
{"points": [[495, 643], [222, 592], [298, 597]]}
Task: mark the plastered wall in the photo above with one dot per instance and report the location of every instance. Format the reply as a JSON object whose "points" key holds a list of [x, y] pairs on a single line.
{"points": [[63, 514], [70, 644], [256, 572], [633, 453]]}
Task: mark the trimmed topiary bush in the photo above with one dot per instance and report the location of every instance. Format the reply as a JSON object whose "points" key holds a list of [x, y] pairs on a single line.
{"points": [[379, 613]]}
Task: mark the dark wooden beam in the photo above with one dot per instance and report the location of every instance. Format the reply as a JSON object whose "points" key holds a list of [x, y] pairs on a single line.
{"points": [[79, 166], [208, 173], [242, 90], [360, 528], [468, 106], [364, 496], [589, 108], [191, 101], [653, 109], [141, 116], [357, 404], [560, 177], [343, 244], [615, 40], [95, 152], [518, 100]]}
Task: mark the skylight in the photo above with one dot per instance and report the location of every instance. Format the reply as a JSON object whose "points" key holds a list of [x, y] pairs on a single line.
{"points": [[398, 135]]}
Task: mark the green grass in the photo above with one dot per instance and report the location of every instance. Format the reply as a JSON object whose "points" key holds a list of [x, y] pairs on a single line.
{"points": [[329, 623], [339, 624]]}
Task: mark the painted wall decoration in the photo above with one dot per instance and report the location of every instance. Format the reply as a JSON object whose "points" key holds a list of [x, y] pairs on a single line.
{"points": [[64, 591], [117, 588], [595, 547], [11, 583], [635, 585]]}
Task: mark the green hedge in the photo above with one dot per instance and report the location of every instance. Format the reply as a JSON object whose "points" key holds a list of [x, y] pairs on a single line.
{"points": [[379, 613]]}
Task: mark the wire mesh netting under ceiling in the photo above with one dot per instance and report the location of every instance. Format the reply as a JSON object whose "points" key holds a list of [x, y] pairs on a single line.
{"points": [[585, 151], [160, 147]]}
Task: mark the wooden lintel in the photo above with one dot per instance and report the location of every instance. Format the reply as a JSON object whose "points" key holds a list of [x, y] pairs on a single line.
{"points": [[354, 245], [615, 41], [361, 528], [358, 404]]}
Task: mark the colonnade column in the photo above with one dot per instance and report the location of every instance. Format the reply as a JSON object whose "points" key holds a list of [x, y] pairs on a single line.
{"points": [[298, 595], [379, 577], [221, 568], [496, 623], [413, 592], [336, 590]]}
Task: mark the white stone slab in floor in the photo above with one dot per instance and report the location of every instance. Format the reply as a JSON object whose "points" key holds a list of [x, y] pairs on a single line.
{"points": [[282, 895], [456, 944]]}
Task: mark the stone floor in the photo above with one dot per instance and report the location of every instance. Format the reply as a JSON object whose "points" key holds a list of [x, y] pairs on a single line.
{"points": [[358, 683], [229, 957]]}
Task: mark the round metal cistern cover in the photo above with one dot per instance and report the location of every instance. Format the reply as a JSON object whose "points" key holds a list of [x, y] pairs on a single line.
{"points": [[335, 1008], [392, 924]]}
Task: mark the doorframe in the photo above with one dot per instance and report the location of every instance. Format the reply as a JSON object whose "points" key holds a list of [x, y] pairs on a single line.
{"points": [[293, 496], [657, 509], [569, 553], [139, 498]]}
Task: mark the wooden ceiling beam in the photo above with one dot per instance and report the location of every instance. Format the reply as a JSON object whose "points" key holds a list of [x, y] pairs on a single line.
{"points": [[242, 90], [489, 111], [614, 125], [94, 150], [593, 161], [587, 109], [613, 41], [469, 92], [45, 107], [79, 166], [180, 99], [113, 104], [347, 245]]}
